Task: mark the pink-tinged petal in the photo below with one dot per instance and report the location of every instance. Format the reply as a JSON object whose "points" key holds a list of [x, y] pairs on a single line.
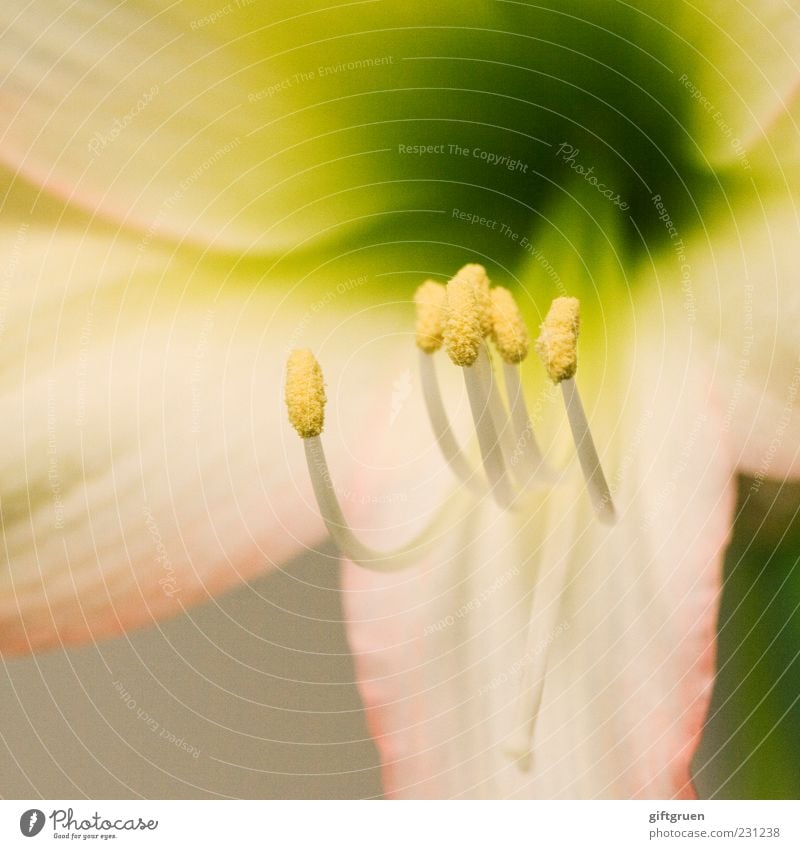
{"points": [[744, 298], [145, 458], [428, 643], [630, 648]]}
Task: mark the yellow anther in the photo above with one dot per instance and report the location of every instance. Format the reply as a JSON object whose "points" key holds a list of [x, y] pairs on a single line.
{"points": [[508, 328], [305, 393], [463, 334], [431, 301], [558, 342], [477, 276]]}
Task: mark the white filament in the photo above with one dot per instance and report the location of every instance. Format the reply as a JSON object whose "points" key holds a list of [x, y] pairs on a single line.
{"points": [[479, 393], [497, 408], [344, 538], [599, 492], [440, 423], [527, 456]]}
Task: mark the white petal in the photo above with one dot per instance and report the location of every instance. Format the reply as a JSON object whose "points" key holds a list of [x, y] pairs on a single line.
{"points": [[631, 652], [744, 300], [145, 459]]}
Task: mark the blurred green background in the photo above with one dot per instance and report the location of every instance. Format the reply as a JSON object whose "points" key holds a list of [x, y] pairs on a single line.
{"points": [[750, 746]]}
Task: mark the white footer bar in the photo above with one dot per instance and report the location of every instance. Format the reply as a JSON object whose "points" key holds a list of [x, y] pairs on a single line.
{"points": [[401, 825]]}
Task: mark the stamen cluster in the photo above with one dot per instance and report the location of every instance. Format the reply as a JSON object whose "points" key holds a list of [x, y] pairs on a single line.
{"points": [[461, 317]]}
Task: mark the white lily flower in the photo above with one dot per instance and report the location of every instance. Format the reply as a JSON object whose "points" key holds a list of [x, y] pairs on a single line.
{"points": [[193, 191]]}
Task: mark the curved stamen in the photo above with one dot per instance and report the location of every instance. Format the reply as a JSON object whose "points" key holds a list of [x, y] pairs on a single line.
{"points": [[511, 339], [345, 539], [475, 275], [463, 332], [305, 402], [304, 393], [497, 408], [527, 453], [509, 333], [431, 302], [558, 347], [478, 383], [463, 338], [596, 483], [440, 423]]}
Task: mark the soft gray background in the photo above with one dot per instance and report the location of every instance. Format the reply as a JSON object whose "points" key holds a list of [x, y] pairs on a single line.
{"points": [[260, 682]]}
